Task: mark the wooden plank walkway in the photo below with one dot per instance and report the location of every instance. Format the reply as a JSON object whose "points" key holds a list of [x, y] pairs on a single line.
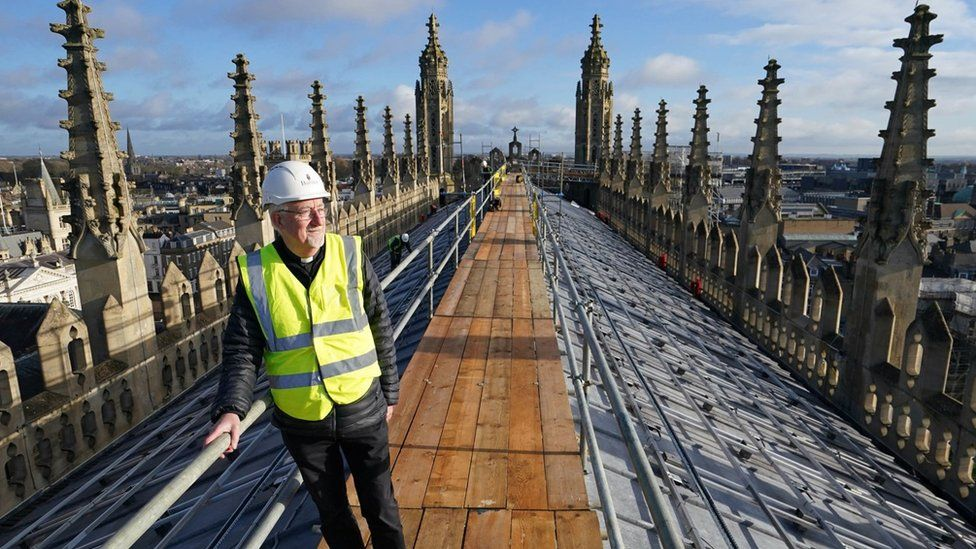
{"points": [[482, 443]]}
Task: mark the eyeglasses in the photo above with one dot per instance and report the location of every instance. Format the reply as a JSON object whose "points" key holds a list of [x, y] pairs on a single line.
{"points": [[305, 214]]}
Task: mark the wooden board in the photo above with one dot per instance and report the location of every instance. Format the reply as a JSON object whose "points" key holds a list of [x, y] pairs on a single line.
{"points": [[577, 530], [486, 527], [533, 530], [441, 528], [526, 468]]}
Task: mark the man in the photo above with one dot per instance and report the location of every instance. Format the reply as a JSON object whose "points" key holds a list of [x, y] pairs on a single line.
{"points": [[395, 246], [310, 308]]}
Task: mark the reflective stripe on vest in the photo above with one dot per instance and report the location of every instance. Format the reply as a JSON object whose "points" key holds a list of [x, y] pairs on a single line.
{"points": [[319, 347]]}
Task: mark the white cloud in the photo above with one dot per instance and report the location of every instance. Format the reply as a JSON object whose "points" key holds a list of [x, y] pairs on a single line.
{"points": [[494, 32], [667, 69], [370, 11]]}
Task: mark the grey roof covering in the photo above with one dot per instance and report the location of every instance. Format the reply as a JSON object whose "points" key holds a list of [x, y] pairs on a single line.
{"points": [[13, 242], [752, 444], [158, 449], [19, 323]]}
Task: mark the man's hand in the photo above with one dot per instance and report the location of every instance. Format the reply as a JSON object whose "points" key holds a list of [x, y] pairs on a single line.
{"points": [[389, 412], [229, 423]]}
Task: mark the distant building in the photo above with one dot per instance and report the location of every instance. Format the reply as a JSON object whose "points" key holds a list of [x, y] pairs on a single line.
{"points": [[44, 209], [39, 279], [186, 250]]}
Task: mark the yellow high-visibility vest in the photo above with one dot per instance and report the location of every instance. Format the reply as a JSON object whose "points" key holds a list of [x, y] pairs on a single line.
{"points": [[319, 350]]}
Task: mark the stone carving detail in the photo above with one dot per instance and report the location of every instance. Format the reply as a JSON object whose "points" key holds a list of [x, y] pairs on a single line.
{"points": [[617, 160], [898, 195], [89, 426], [763, 181], [66, 435], [16, 470]]}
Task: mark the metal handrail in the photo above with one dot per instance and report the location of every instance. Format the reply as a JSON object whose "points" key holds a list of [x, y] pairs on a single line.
{"points": [[139, 523], [665, 523]]}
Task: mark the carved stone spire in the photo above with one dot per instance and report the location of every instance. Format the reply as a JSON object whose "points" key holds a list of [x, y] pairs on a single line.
{"points": [[635, 162], [423, 159], [322, 160], [433, 60], [362, 167], [100, 192], [617, 161], [660, 183], [390, 166], [595, 61], [605, 150], [104, 240], [251, 225], [896, 209], [698, 173], [130, 155], [594, 100], [409, 160], [763, 180], [889, 254]]}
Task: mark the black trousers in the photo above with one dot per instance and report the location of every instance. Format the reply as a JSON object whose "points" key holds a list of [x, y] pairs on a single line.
{"points": [[368, 453]]}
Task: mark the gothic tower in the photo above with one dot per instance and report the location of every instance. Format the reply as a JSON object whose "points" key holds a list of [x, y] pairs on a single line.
{"points": [[594, 99], [435, 105], [43, 209], [252, 225], [760, 212], [322, 160], [363, 173], [889, 253], [105, 241]]}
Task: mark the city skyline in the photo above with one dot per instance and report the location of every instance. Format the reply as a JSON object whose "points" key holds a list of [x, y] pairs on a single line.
{"points": [[167, 68]]}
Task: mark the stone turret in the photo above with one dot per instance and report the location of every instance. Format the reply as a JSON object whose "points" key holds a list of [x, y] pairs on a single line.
{"points": [[617, 160], [105, 242], [594, 99], [409, 160], [635, 159], [435, 104], [363, 173], [697, 193], [760, 213], [423, 158], [252, 226], [390, 166], [322, 160], [605, 153], [659, 185], [890, 252], [130, 156]]}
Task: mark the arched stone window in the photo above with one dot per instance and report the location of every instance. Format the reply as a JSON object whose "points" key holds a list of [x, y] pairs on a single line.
{"points": [[6, 394], [186, 303], [76, 353]]}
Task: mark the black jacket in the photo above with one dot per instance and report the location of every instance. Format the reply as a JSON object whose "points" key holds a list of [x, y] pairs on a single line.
{"points": [[243, 351]]}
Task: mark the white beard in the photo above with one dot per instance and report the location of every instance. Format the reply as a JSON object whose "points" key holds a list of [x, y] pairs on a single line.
{"points": [[316, 240]]}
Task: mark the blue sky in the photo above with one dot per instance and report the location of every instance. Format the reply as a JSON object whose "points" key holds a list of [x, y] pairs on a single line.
{"points": [[512, 63]]}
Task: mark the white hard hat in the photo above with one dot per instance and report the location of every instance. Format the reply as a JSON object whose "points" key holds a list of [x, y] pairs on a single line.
{"points": [[291, 181], [405, 237]]}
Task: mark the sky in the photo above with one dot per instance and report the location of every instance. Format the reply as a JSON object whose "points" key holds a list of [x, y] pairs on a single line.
{"points": [[511, 63]]}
